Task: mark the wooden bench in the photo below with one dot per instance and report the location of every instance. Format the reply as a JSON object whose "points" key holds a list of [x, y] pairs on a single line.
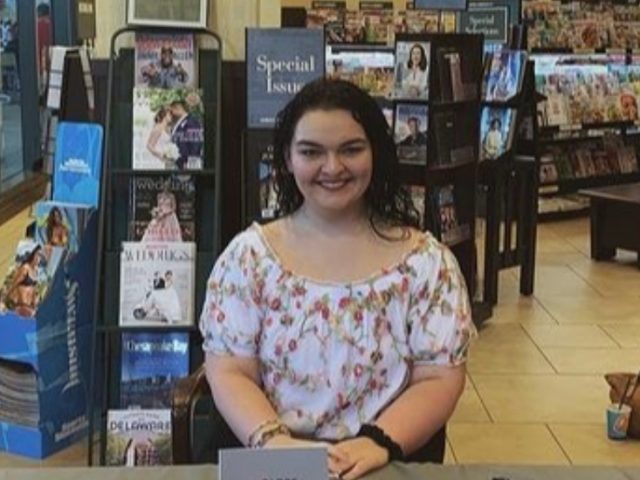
{"points": [[615, 220]]}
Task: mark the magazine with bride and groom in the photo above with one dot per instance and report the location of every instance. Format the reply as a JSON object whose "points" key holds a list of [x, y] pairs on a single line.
{"points": [[168, 129]]}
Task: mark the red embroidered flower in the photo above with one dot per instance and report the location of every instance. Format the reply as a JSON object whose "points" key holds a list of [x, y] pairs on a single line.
{"points": [[344, 302], [358, 316], [268, 321], [325, 313], [373, 384], [357, 370], [278, 350], [293, 345], [275, 304], [221, 316], [405, 285]]}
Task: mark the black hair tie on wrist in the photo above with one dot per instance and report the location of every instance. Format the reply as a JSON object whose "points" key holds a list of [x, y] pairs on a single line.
{"points": [[376, 434]]}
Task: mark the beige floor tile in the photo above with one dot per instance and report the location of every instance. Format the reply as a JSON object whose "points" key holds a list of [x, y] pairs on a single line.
{"points": [[543, 398], [589, 445], [526, 310], [449, 457], [593, 360], [594, 309], [74, 456], [613, 279], [506, 348], [502, 444], [561, 281], [586, 336], [627, 336], [470, 408], [559, 258]]}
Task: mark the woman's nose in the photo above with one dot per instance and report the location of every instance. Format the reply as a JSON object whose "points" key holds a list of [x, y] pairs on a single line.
{"points": [[333, 163]]}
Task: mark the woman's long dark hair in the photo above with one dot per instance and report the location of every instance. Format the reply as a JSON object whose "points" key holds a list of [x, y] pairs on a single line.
{"points": [[423, 57], [387, 201]]}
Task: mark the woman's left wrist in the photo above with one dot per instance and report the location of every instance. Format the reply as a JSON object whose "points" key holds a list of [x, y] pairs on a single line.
{"points": [[380, 438]]}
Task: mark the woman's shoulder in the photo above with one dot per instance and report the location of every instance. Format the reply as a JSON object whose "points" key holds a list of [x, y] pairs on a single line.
{"points": [[250, 239], [427, 250]]}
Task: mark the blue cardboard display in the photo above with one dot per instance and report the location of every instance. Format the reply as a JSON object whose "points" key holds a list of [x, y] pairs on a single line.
{"points": [[57, 343]]}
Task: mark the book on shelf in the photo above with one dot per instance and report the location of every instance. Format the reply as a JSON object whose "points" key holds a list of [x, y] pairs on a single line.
{"points": [[628, 160], [151, 364], [445, 216], [138, 438], [77, 165], [444, 126], [411, 123], [270, 85], [168, 129], [411, 75], [60, 224], [504, 74], [328, 15], [548, 172], [165, 60], [157, 284], [19, 403], [422, 21], [29, 277], [377, 23], [452, 85], [497, 128], [369, 69], [163, 208]]}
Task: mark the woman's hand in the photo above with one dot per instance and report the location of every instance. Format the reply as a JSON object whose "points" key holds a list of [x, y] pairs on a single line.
{"points": [[363, 455]]}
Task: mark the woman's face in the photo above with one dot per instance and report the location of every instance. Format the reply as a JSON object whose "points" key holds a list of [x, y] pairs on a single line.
{"points": [[416, 56], [331, 160], [57, 217]]}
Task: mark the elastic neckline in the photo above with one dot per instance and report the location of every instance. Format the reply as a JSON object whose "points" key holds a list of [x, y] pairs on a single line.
{"points": [[377, 275]]}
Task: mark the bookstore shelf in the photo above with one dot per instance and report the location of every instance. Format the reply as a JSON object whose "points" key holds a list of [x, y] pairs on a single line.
{"points": [[574, 184], [132, 190]]}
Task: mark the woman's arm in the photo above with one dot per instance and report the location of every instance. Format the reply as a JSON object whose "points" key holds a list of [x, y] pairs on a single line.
{"points": [[235, 386], [424, 407], [152, 141]]}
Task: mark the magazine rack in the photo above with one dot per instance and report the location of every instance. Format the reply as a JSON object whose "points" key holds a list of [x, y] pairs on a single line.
{"points": [[115, 211], [511, 185], [462, 175], [55, 343]]}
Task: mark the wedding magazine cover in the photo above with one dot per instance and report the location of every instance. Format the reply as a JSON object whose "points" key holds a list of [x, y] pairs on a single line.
{"points": [[411, 76], [157, 284], [163, 208], [168, 129], [138, 437]]}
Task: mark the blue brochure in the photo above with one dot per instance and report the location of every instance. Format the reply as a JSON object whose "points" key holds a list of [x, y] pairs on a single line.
{"points": [[78, 163]]}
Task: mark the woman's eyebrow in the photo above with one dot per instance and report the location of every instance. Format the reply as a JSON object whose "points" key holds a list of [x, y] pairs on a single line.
{"points": [[310, 143]]}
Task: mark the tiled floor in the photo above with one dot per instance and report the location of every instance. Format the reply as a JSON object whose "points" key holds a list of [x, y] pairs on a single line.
{"points": [[535, 392]]}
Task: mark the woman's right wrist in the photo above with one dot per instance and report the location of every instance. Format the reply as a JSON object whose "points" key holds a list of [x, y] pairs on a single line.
{"points": [[267, 431]]}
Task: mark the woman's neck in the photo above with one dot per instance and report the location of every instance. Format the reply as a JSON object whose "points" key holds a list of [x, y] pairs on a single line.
{"points": [[345, 223]]}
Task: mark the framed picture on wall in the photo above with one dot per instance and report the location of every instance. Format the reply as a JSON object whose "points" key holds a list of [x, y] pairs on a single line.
{"points": [[168, 13]]}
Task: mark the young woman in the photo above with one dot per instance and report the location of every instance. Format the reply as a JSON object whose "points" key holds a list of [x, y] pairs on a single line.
{"points": [[23, 291], [56, 231], [339, 322], [415, 79]]}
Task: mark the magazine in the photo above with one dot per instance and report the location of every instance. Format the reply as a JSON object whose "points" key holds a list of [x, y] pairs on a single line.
{"points": [[410, 132], [151, 365], [29, 277], [377, 25], [60, 224], [422, 21], [497, 127], [268, 203], [280, 61], [452, 86], [77, 164], [369, 69], [19, 403], [330, 16], [504, 75], [447, 225], [163, 208], [138, 438], [165, 60], [157, 284], [168, 129], [411, 76]]}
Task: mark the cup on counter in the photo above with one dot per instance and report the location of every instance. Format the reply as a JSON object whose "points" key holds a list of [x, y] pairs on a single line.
{"points": [[618, 421]]}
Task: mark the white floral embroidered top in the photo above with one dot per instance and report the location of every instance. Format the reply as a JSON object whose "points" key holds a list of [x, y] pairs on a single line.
{"points": [[334, 355]]}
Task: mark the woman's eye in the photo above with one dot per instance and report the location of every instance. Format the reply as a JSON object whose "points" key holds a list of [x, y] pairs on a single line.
{"points": [[351, 151], [310, 153]]}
